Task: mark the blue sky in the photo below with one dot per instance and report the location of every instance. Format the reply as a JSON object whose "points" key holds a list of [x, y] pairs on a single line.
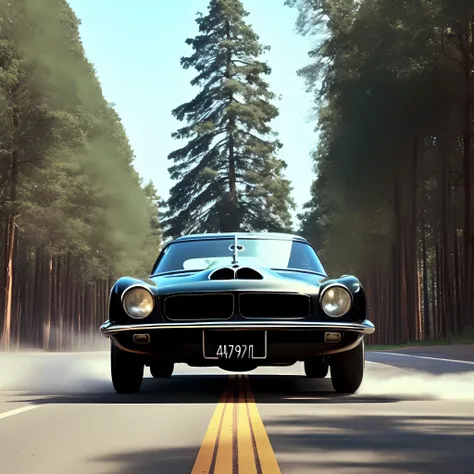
{"points": [[136, 50]]}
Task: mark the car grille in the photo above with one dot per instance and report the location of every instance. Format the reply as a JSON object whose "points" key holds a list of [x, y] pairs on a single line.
{"points": [[274, 306], [199, 307]]}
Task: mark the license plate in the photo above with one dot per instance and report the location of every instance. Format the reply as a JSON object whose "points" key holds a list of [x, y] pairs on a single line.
{"points": [[234, 345]]}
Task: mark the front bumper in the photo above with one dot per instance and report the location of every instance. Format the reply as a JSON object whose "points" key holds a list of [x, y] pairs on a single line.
{"points": [[364, 328], [286, 340]]}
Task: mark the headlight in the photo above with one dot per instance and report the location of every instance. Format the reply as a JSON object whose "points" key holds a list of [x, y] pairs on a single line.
{"points": [[336, 301], [138, 303]]}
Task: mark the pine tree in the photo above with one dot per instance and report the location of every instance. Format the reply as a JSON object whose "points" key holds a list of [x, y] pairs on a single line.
{"points": [[155, 235], [392, 199], [229, 177], [26, 133], [73, 213]]}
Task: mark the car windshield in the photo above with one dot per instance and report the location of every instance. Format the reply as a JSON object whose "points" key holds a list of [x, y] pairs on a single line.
{"points": [[203, 254]]}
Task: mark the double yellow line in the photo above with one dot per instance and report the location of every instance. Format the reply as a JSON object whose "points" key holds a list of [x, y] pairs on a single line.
{"points": [[236, 441]]}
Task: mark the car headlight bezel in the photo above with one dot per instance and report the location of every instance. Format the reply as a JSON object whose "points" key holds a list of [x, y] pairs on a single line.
{"points": [[343, 310], [126, 297]]}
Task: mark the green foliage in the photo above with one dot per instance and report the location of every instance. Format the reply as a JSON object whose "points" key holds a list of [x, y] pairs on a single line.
{"points": [[392, 83], [382, 73], [229, 176], [78, 194]]}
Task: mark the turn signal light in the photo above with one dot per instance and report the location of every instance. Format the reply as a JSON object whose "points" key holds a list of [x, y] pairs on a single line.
{"points": [[332, 337]]}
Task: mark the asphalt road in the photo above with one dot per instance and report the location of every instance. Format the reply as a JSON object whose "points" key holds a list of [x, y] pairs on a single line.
{"points": [[413, 414]]}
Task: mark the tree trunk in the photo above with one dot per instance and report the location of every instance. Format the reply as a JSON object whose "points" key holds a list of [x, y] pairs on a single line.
{"points": [[233, 224], [468, 253], [457, 276], [414, 277], [58, 305], [49, 298], [8, 279], [440, 326], [66, 312], [424, 264], [36, 314], [434, 309]]}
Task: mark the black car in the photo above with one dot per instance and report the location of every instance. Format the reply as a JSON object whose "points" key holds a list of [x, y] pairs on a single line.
{"points": [[237, 301]]}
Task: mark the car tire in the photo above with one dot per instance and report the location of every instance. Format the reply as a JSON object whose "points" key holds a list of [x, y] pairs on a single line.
{"points": [[126, 369], [160, 370], [347, 369], [316, 368]]}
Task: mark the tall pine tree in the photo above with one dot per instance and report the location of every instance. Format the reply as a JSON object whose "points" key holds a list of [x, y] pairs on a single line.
{"points": [[73, 213], [229, 177], [392, 199]]}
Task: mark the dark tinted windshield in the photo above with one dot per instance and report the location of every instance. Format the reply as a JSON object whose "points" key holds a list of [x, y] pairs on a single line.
{"points": [[202, 254]]}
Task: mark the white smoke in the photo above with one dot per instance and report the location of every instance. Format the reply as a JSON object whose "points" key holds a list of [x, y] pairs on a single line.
{"points": [[53, 373], [40, 373], [380, 380]]}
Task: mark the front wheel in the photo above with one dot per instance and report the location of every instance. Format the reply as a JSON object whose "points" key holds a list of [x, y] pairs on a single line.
{"points": [[161, 370], [126, 369], [347, 369]]}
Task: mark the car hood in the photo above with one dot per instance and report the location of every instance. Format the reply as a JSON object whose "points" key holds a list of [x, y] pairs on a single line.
{"points": [[225, 279]]}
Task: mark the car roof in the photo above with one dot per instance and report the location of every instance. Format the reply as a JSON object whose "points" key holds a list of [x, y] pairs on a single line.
{"points": [[241, 235]]}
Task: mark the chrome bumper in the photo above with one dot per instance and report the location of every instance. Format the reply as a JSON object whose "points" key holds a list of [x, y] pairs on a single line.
{"points": [[109, 329]]}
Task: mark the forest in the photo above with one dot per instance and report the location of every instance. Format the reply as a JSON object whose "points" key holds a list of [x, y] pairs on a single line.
{"points": [[71, 204], [393, 197], [392, 87]]}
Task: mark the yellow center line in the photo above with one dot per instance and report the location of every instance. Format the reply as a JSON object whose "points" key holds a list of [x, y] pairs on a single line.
{"points": [[265, 454], [236, 436], [225, 443], [245, 448], [203, 462]]}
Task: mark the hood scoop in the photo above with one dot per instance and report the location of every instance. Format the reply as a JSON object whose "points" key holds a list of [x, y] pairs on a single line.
{"points": [[244, 273], [222, 274]]}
